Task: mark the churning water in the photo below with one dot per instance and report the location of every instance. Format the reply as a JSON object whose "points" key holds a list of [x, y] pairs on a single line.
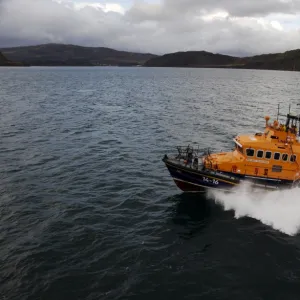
{"points": [[278, 209]]}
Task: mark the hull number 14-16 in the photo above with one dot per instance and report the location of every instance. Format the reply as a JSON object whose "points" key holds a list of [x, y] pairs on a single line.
{"points": [[214, 181]]}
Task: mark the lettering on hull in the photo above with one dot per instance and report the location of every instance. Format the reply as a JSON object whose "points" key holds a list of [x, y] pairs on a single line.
{"points": [[213, 181], [258, 161]]}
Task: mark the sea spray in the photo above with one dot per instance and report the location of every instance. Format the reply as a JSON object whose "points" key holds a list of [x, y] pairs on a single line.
{"points": [[278, 209]]}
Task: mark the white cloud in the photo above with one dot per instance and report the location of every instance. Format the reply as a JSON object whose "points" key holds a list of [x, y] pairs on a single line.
{"points": [[106, 7], [226, 26], [215, 16]]}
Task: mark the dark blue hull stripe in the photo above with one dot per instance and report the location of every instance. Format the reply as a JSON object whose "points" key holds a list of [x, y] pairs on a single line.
{"points": [[209, 180]]}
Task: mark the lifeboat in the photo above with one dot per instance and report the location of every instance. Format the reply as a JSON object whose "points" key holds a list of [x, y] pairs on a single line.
{"points": [[267, 159]]}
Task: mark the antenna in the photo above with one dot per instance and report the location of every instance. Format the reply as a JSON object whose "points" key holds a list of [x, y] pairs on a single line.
{"points": [[278, 111]]}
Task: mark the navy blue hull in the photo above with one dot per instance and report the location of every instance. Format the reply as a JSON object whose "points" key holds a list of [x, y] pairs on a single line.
{"points": [[191, 179]]}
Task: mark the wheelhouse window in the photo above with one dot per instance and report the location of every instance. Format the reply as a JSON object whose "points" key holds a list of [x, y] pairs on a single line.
{"points": [[250, 152], [276, 155], [260, 154], [268, 155], [285, 157], [293, 158]]}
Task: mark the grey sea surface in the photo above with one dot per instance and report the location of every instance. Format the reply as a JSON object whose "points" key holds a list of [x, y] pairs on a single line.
{"points": [[88, 209]]}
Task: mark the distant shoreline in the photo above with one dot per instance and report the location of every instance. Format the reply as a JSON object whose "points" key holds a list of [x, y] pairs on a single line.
{"points": [[65, 55], [156, 67]]}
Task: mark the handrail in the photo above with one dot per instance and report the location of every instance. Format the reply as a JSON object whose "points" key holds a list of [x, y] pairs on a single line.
{"points": [[237, 143]]}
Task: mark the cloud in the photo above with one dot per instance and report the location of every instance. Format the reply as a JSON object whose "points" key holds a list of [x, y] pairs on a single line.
{"points": [[240, 8], [106, 7], [224, 26]]}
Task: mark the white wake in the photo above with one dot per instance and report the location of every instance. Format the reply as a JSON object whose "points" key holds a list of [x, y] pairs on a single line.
{"points": [[278, 209]]}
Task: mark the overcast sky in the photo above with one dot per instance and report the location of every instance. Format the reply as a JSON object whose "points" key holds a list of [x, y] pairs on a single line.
{"points": [[238, 27]]}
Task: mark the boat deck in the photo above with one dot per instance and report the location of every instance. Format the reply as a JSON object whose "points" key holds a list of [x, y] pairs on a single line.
{"points": [[199, 168]]}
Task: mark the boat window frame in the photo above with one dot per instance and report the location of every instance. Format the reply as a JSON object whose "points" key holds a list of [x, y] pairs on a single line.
{"points": [[254, 152], [263, 153], [293, 155], [287, 157], [271, 154], [278, 157]]}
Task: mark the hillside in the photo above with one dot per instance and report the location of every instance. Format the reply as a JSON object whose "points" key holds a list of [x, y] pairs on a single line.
{"points": [[4, 62], [71, 55], [289, 61], [190, 59]]}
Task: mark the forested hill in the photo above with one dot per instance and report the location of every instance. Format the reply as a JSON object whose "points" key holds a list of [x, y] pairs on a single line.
{"points": [[289, 60], [4, 62], [72, 55]]}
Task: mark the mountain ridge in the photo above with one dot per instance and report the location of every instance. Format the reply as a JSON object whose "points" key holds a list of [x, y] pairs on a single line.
{"points": [[54, 54], [74, 55], [288, 61]]}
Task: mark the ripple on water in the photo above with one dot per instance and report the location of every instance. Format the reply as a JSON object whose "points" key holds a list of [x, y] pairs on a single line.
{"points": [[88, 210]]}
